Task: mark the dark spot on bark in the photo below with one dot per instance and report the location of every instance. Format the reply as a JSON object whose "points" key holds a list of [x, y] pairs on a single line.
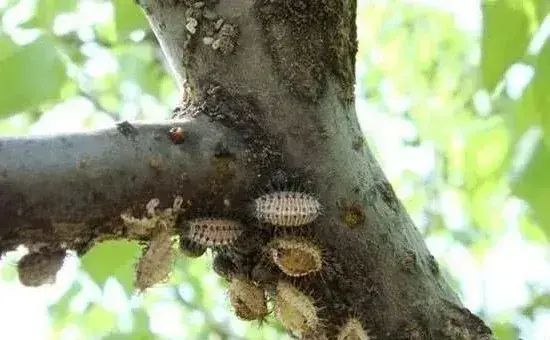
{"points": [[66, 142], [222, 150], [387, 194], [127, 129], [155, 162], [353, 215], [434, 266], [96, 197], [358, 143]]}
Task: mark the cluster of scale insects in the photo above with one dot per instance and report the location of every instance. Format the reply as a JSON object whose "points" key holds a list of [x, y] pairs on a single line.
{"points": [[295, 256]]}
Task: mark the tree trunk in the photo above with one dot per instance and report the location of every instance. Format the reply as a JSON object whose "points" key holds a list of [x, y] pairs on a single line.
{"points": [[268, 105]]}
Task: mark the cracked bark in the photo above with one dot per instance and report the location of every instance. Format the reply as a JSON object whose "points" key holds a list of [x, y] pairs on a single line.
{"points": [[269, 103]]}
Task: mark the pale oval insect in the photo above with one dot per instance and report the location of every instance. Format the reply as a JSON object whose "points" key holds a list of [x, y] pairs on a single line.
{"points": [[156, 262], [294, 309], [214, 231], [353, 330], [248, 300], [287, 208], [296, 256]]}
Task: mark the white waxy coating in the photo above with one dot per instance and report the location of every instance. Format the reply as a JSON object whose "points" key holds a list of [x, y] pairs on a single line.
{"points": [[287, 208]]}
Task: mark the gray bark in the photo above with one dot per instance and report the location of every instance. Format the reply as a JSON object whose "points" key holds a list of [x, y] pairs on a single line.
{"points": [[275, 79], [69, 190]]}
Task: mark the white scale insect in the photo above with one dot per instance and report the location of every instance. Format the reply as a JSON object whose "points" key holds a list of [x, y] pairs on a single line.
{"points": [[287, 208]]}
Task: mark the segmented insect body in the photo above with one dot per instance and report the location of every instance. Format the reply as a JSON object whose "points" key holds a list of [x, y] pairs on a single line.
{"points": [[353, 330], [248, 300], [287, 208], [294, 309], [156, 262], [214, 231], [296, 256]]}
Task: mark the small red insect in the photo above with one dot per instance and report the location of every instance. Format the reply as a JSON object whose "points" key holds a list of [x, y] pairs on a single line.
{"points": [[176, 135]]}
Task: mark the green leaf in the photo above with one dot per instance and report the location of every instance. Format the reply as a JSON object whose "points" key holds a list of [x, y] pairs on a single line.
{"points": [[541, 88], [486, 151], [140, 331], [533, 186], [128, 17], [98, 320], [505, 331], [506, 35], [137, 64], [60, 312], [7, 46], [31, 75], [485, 205], [525, 113], [539, 301], [531, 231], [542, 8], [46, 11], [113, 258]]}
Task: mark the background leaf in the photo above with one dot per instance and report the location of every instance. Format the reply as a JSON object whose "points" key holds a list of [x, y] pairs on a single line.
{"points": [[128, 18], [30, 76], [533, 185], [113, 258], [47, 10], [502, 44]]}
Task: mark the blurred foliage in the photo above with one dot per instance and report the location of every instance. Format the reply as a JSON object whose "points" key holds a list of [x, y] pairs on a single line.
{"points": [[465, 108]]}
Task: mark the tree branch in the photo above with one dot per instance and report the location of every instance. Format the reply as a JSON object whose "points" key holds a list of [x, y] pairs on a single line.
{"points": [[72, 188], [276, 77], [284, 81]]}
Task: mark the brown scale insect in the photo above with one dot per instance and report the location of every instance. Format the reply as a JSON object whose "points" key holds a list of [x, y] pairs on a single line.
{"points": [[214, 231], [295, 256], [353, 330], [248, 300], [36, 269], [287, 208], [156, 263]]}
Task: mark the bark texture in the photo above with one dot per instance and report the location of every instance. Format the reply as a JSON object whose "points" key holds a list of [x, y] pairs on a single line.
{"points": [[268, 97], [68, 191]]}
